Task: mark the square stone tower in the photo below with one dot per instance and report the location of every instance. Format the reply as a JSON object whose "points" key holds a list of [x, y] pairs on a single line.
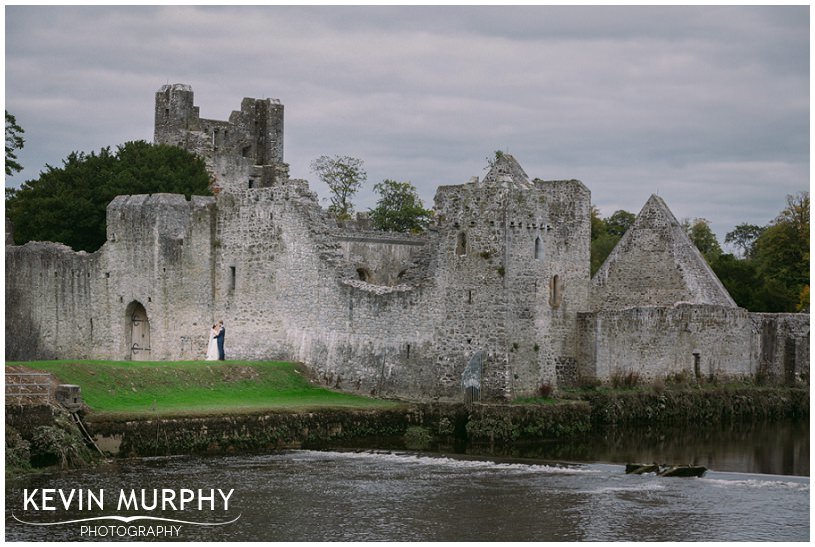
{"points": [[244, 152], [513, 256]]}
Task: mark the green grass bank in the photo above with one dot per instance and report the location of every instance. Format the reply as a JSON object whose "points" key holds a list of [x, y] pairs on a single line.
{"points": [[185, 388]]}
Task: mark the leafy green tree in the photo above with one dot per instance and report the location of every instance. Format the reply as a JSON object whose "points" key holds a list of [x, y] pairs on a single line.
{"points": [[606, 233], [399, 208], [497, 156], [68, 204], [344, 176], [803, 302], [14, 141], [782, 256], [740, 278], [619, 222], [601, 247], [703, 238], [598, 225], [773, 276], [744, 237]]}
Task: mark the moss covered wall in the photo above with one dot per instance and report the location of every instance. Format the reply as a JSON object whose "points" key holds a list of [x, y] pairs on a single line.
{"points": [[443, 425]]}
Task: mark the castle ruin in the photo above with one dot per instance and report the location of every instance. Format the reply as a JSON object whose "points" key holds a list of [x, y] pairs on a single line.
{"points": [[494, 300]]}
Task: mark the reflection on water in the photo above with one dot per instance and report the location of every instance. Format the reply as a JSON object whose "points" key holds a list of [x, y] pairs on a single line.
{"points": [[770, 448], [306, 495]]}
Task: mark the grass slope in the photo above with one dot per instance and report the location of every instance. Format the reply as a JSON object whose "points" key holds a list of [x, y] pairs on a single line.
{"points": [[196, 387]]}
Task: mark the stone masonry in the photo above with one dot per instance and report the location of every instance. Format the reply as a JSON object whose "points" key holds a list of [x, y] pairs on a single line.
{"points": [[501, 275]]}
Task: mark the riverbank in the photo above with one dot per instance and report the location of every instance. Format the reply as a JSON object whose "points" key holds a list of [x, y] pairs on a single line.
{"points": [[151, 409], [443, 426]]}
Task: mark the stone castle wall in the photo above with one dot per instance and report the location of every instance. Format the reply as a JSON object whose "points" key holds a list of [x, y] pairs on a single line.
{"points": [[501, 277], [49, 302], [694, 341], [658, 342], [780, 345]]}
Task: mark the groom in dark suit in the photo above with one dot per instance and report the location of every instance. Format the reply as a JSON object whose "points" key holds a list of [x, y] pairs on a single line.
{"points": [[220, 337]]}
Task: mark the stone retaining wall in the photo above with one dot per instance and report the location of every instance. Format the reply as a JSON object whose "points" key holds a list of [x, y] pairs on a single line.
{"points": [[443, 425]]}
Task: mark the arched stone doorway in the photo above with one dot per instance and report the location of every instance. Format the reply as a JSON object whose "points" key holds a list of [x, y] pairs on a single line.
{"points": [[137, 332]]}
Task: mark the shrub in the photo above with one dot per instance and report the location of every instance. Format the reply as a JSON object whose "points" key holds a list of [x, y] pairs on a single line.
{"points": [[17, 450], [681, 378], [545, 390], [625, 379], [658, 386], [417, 437], [60, 444], [588, 382]]}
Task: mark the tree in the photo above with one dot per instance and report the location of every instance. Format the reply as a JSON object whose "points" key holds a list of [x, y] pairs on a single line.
{"points": [[598, 225], [399, 208], [344, 176], [744, 237], [606, 233], [782, 256], [619, 222], [68, 204], [601, 247], [14, 141], [703, 237], [740, 278], [773, 276]]}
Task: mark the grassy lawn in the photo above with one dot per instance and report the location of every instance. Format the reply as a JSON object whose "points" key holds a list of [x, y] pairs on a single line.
{"points": [[196, 387]]}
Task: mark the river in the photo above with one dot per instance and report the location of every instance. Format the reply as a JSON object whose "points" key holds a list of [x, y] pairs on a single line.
{"points": [[399, 495]]}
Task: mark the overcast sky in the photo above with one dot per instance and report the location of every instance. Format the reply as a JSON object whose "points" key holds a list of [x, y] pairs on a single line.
{"points": [[706, 106]]}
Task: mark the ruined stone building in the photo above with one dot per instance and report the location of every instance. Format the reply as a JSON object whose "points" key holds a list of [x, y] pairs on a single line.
{"points": [[495, 298]]}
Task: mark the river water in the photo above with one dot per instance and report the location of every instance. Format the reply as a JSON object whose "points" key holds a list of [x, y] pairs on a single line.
{"points": [[399, 495]]}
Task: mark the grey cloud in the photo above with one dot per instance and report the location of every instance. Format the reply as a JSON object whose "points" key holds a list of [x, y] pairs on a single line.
{"points": [[624, 98]]}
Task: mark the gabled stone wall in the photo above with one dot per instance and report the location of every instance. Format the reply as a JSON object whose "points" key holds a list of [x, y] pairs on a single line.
{"points": [[656, 264]]}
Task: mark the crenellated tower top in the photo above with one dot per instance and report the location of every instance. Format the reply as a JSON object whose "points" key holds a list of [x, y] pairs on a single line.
{"points": [[244, 152]]}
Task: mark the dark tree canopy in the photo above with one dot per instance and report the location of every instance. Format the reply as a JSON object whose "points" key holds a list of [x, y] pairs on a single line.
{"points": [[606, 233], [14, 141], [703, 237], [744, 237], [619, 222], [344, 176], [399, 208], [68, 204], [773, 275], [782, 254]]}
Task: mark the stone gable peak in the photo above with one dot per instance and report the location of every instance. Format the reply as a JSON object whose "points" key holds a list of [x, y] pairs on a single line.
{"points": [[506, 170]]}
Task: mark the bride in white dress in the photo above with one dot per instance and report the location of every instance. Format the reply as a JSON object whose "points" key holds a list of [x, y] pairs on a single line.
{"points": [[212, 348]]}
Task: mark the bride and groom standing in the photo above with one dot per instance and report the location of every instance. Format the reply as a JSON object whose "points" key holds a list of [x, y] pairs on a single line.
{"points": [[215, 349]]}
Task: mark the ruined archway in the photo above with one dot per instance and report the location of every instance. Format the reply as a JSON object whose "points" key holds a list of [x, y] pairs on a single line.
{"points": [[137, 333]]}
